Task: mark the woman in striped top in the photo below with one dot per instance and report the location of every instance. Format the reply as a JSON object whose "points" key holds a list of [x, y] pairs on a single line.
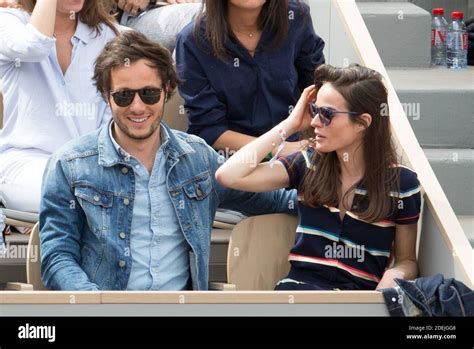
{"points": [[358, 208]]}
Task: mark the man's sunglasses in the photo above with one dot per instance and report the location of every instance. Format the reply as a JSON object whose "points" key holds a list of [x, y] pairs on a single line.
{"points": [[123, 98], [326, 114]]}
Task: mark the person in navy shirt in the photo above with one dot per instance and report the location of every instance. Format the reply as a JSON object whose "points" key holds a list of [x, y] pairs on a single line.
{"points": [[358, 207], [244, 65]]}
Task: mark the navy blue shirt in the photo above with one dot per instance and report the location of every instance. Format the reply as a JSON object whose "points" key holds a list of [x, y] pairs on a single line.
{"points": [[247, 94], [349, 253]]}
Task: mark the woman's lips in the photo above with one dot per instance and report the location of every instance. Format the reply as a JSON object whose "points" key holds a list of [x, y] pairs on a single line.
{"points": [[319, 136]]}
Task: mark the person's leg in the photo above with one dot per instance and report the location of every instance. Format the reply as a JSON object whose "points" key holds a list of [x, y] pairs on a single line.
{"points": [[294, 285], [303, 280], [163, 24], [21, 174]]}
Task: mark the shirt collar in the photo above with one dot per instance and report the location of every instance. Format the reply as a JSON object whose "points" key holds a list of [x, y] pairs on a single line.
{"points": [[117, 147], [173, 145], [84, 32], [122, 152]]}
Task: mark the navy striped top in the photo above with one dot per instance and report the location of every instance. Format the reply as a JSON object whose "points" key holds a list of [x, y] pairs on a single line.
{"points": [[348, 253]]}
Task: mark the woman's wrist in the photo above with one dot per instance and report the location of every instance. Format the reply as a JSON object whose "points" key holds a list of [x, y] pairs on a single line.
{"points": [[286, 126]]}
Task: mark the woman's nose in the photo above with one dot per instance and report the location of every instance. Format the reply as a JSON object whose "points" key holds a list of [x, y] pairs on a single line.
{"points": [[316, 121]]}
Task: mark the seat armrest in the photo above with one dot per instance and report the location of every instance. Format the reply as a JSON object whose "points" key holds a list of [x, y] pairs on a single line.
{"points": [[29, 217], [221, 286], [18, 286]]}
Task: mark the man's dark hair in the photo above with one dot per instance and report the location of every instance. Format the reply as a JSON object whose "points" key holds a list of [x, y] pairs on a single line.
{"points": [[127, 48]]}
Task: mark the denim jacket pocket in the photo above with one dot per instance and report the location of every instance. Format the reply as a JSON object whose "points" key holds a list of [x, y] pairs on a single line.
{"points": [[97, 208], [199, 187], [197, 196]]}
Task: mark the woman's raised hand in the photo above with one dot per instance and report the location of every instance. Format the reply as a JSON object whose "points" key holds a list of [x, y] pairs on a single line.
{"points": [[133, 6], [9, 3], [300, 118]]}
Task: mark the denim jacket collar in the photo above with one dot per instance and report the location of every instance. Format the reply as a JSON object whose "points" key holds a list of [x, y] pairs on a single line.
{"points": [[108, 155]]}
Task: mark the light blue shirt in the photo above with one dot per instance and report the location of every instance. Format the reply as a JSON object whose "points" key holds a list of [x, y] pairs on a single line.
{"points": [[159, 250], [44, 108]]}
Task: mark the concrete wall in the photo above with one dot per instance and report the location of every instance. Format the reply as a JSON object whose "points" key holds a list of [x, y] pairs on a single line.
{"points": [[449, 5], [338, 50], [401, 32]]}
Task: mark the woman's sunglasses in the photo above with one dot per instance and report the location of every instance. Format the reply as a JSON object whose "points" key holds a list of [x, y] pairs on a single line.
{"points": [[326, 114], [123, 98]]}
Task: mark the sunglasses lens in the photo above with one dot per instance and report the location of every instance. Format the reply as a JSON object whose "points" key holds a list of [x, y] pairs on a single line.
{"points": [[123, 98], [150, 95], [326, 116], [147, 95]]}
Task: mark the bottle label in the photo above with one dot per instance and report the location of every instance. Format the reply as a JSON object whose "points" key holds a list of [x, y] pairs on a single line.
{"points": [[437, 37], [464, 41]]}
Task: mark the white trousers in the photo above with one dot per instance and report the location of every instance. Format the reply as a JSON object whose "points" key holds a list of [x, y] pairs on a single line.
{"points": [[21, 174]]}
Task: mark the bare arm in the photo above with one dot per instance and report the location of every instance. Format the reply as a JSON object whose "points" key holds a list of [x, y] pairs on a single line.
{"points": [[405, 257], [235, 141], [241, 171], [232, 140], [43, 16], [133, 6]]}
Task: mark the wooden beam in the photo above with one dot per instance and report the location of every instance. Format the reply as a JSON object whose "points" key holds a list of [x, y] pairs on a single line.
{"points": [[407, 142]]}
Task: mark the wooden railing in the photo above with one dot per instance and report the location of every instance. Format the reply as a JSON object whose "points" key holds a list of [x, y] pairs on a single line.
{"points": [[190, 297], [434, 197], [191, 303]]}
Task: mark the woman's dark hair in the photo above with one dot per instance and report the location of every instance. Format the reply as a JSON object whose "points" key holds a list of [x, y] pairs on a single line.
{"points": [[93, 13], [364, 91], [129, 47], [213, 17]]}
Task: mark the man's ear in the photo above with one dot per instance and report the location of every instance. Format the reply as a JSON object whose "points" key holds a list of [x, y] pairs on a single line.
{"points": [[167, 91]]}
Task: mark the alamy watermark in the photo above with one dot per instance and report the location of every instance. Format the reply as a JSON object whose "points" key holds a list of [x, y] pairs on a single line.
{"points": [[80, 110], [37, 332], [19, 251], [336, 251], [411, 109], [249, 158]]}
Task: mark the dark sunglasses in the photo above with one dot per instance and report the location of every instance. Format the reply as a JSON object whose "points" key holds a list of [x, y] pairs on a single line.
{"points": [[326, 114], [123, 98]]}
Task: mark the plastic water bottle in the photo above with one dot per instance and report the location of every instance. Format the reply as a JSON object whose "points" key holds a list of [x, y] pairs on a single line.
{"points": [[439, 27], [456, 44]]}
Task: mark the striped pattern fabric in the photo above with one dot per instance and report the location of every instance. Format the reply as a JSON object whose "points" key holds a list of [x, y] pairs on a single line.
{"points": [[349, 253]]}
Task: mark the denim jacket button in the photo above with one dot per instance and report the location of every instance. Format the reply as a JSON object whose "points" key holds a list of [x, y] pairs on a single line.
{"points": [[122, 235], [96, 198], [126, 201], [121, 264], [124, 170]]}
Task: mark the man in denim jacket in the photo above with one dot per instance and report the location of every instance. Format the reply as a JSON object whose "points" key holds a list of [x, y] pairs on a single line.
{"points": [[123, 207]]}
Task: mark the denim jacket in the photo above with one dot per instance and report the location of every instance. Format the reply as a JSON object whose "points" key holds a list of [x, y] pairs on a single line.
{"points": [[429, 296], [87, 205]]}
